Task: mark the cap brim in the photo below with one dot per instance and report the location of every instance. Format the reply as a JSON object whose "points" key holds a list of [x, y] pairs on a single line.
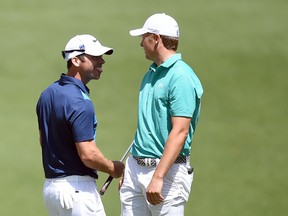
{"points": [[100, 51], [137, 32], [109, 51]]}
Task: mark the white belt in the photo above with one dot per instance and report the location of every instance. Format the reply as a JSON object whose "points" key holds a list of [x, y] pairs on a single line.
{"points": [[73, 178], [153, 162]]}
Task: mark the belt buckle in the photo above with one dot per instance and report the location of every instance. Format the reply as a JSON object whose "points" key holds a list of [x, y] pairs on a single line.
{"points": [[150, 162], [146, 162]]}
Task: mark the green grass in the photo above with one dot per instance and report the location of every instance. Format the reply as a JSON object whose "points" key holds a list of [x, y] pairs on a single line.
{"points": [[237, 48]]}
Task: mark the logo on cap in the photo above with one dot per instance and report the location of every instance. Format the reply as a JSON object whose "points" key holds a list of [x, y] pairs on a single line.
{"points": [[82, 47]]}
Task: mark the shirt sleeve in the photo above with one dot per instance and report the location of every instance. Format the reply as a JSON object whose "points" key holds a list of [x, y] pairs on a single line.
{"points": [[182, 95], [82, 121]]}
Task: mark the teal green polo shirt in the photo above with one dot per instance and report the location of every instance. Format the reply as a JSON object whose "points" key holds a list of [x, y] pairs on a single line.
{"points": [[171, 89]]}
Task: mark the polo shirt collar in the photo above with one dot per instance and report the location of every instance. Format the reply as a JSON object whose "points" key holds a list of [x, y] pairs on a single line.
{"points": [[64, 79], [168, 63]]}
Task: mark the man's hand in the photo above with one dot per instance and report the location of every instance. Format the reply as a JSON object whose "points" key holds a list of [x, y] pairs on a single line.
{"points": [[120, 182], [153, 191], [118, 169]]}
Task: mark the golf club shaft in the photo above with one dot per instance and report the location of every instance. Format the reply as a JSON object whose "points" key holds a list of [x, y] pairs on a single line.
{"points": [[110, 178]]}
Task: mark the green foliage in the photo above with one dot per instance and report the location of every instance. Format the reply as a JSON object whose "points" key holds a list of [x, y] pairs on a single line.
{"points": [[237, 48]]}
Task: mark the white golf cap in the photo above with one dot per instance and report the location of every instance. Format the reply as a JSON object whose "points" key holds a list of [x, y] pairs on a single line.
{"points": [[159, 23], [84, 44]]}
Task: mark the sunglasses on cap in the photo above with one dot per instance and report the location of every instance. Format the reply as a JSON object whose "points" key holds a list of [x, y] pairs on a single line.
{"points": [[69, 51]]}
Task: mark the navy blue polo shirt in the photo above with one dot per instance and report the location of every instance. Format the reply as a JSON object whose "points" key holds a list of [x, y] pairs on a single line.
{"points": [[65, 116]]}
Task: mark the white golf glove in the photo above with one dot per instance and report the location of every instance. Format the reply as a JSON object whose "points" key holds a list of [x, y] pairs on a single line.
{"points": [[67, 197]]}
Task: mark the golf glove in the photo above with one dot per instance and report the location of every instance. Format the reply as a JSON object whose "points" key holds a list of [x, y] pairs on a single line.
{"points": [[67, 197]]}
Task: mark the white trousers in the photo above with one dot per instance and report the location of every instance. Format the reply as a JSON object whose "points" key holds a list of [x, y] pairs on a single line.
{"points": [[176, 190], [86, 199]]}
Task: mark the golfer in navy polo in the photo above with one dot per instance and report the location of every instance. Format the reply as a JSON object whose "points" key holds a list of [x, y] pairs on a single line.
{"points": [[67, 127]]}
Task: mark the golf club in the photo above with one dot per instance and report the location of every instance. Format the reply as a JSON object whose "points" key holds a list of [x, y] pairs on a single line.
{"points": [[110, 178]]}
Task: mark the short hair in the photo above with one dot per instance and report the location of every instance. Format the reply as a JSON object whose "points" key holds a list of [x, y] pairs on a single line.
{"points": [[69, 62], [170, 43]]}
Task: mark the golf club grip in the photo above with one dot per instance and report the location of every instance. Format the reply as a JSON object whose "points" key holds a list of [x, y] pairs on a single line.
{"points": [[110, 178], [106, 184]]}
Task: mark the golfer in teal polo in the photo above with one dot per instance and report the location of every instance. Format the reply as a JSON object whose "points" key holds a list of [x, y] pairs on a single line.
{"points": [[158, 175]]}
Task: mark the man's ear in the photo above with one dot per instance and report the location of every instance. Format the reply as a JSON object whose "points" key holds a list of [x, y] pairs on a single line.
{"points": [[76, 61], [156, 38]]}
